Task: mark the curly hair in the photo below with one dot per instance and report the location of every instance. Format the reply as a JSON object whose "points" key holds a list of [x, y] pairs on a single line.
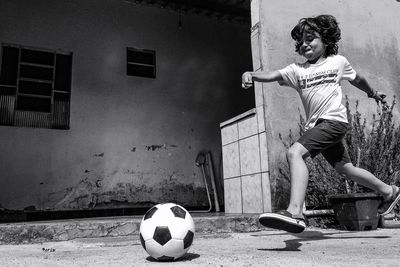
{"points": [[324, 25]]}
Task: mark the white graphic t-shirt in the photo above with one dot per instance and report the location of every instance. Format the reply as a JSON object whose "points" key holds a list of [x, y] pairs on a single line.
{"points": [[319, 87]]}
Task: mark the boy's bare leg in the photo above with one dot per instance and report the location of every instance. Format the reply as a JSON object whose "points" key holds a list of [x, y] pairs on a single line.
{"points": [[298, 177], [365, 178], [390, 193], [292, 219]]}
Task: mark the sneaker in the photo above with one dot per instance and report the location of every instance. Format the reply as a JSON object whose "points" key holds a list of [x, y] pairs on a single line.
{"points": [[387, 206], [283, 220]]}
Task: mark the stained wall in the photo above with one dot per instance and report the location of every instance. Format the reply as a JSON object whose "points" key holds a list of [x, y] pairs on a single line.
{"points": [[132, 141]]}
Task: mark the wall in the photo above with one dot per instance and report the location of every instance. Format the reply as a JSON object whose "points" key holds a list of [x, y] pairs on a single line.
{"points": [[133, 141], [245, 157], [370, 41]]}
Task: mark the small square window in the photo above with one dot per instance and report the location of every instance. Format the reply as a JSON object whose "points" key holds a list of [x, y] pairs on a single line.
{"points": [[141, 62]]}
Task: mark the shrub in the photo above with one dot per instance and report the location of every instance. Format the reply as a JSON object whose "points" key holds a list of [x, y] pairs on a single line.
{"points": [[373, 146]]}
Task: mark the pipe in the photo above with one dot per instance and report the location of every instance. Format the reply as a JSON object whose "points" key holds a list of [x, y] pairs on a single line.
{"points": [[200, 161], [212, 178], [316, 213]]}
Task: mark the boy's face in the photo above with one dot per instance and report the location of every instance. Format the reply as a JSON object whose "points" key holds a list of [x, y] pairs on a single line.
{"points": [[312, 47]]}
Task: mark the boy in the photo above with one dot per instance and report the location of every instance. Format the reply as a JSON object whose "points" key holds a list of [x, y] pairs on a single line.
{"points": [[318, 83]]}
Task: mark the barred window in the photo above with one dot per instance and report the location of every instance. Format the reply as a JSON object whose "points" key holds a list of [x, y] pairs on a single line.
{"points": [[141, 62], [35, 87]]}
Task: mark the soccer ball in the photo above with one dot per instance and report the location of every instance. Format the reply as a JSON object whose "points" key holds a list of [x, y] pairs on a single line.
{"points": [[167, 231]]}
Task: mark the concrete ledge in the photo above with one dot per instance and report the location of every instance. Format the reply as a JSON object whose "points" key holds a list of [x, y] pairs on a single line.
{"points": [[238, 117], [62, 230]]}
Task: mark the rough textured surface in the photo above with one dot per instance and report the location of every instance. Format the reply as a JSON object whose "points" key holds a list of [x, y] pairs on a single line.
{"points": [[90, 193], [314, 247], [124, 129], [37, 232]]}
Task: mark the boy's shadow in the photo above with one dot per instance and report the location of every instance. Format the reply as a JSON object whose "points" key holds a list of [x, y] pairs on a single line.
{"points": [[296, 243]]}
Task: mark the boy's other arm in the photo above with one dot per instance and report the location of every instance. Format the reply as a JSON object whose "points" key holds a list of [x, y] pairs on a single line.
{"points": [[260, 76], [361, 83]]}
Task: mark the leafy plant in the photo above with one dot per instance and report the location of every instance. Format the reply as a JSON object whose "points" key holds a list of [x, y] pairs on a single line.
{"points": [[372, 146]]}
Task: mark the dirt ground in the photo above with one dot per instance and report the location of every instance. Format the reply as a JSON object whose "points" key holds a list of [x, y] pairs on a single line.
{"points": [[314, 247]]}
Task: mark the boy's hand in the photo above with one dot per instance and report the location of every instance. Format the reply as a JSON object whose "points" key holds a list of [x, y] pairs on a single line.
{"points": [[380, 98], [247, 80]]}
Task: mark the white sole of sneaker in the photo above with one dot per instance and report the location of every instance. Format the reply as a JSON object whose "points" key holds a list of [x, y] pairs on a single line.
{"points": [[281, 222], [394, 203]]}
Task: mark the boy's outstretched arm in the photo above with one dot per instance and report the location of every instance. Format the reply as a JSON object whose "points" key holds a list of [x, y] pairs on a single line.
{"points": [[361, 83], [260, 76]]}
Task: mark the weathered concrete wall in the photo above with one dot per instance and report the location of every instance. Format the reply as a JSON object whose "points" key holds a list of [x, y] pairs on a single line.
{"points": [[370, 41], [132, 141]]}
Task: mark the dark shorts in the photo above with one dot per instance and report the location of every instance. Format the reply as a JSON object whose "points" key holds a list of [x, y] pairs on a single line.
{"points": [[327, 138]]}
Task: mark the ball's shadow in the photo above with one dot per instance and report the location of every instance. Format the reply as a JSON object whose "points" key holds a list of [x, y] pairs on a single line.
{"points": [[186, 257]]}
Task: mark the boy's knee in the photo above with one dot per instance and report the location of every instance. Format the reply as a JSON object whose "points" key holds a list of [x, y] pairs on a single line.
{"points": [[296, 151], [343, 169], [291, 153]]}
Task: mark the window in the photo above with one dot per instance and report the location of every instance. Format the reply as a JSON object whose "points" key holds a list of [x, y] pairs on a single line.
{"points": [[141, 62], [35, 87]]}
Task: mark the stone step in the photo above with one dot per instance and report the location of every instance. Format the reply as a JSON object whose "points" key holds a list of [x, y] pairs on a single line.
{"points": [[61, 230]]}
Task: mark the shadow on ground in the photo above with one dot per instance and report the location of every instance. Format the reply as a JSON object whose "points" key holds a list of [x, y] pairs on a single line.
{"points": [[186, 257], [296, 243]]}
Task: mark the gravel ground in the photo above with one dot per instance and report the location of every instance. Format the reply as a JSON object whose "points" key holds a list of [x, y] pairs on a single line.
{"points": [[314, 247]]}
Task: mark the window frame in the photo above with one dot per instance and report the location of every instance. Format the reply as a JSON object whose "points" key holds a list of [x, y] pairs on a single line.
{"points": [[42, 95], [142, 67]]}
